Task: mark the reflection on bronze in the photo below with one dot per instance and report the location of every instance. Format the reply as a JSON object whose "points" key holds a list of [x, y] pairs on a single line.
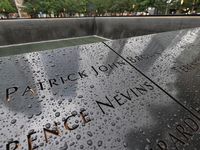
{"points": [[162, 145], [66, 124], [41, 86], [52, 132], [105, 104], [16, 145], [185, 68], [28, 89], [176, 140], [82, 74], [95, 71], [183, 132], [70, 78], [30, 140], [197, 109], [147, 105], [142, 57], [8, 92], [122, 98], [83, 117], [103, 68], [189, 121], [63, 80], [53, 82], [112, 65]]}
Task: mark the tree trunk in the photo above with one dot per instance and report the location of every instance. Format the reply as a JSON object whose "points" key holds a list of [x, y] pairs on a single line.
{"points": [[166, 11]]}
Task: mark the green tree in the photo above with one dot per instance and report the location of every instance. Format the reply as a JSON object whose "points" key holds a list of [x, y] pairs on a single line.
{"points": [[191, 4], [98, 7], [33, 7], [101, 6], [186, 5], [6, 7], [12, 3], [142, 5], [162, 6], [90, 7], [197, 5], [119, 6], [79, 6], [51, 6]]}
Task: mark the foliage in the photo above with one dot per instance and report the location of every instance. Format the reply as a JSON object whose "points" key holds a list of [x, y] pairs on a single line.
{"points": [[98, 7], [190, 4], [76, 6], [102, 6], [12, 3], [6, 7], [142, 5], [32, 6]]}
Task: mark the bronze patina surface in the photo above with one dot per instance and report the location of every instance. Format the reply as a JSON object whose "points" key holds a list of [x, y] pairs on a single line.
{"points": [[132, 94]]}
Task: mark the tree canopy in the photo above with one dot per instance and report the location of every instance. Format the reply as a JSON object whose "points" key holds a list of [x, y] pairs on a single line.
{"points": [[6, 6], [98, 7], [102, 6]]}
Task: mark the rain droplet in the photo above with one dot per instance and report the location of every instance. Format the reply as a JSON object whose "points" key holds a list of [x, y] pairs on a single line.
{"points": [[59, 102], [72, 144], [118, 139], [113, 124], [125, 144], [81, 147], [75, 126], [148, 140], [89, 133], [39, 113], [57, 114], [13, 121], [21, 126], [31, 131], [65, 147], [100, 143], [78, 137], [80, 96], [10, 140], [74, 113], [43, 96], [89, 142], [30, 116], [48, 125]]}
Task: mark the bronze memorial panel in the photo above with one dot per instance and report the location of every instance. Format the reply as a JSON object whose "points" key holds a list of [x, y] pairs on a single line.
{"points": [[140, 93]]}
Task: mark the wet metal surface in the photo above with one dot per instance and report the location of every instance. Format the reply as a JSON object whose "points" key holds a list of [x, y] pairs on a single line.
{"points": [[46, 45], [131, 94]]}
